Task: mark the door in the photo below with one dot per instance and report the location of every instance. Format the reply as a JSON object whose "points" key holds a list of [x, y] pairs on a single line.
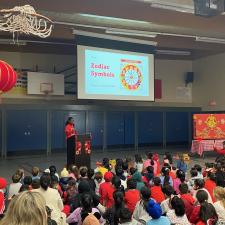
{"points": [[115, 129], [120, 129], [150, 128], [129, 129], [96, 128], [177, 128], [26, 130]]}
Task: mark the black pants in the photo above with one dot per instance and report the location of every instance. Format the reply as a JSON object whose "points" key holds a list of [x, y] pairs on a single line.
{"points": [[70, 150]]}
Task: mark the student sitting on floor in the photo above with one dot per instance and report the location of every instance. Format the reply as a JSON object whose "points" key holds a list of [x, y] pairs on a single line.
{"points": [[156, 190], [132, 195]]}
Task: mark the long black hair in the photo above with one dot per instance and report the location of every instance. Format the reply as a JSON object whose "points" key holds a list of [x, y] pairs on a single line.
{"points": [[112, 215], [178, 206], [181, 175], [145, 196], [86, 203], [165, 172], [149, 156], [68, 120], [45, 181], [208, 212], [118, 197]]}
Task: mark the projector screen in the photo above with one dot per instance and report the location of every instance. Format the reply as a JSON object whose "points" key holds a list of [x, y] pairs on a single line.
{"points": [[114, 75]]}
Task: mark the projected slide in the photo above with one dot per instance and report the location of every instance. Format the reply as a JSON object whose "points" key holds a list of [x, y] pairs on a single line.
{"points": [[110, 74], [116, 74]]}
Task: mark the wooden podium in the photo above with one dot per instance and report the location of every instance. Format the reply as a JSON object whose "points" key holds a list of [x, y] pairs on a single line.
{"points": [[83, 150]]}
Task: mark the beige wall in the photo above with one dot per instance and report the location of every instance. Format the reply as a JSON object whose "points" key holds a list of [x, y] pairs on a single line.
{"points": [[209, 82], [171, 72]]}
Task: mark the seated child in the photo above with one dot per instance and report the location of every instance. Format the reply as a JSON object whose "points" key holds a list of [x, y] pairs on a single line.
{"points": [[156, 190], [181, 164], [132, 195], [35, 173], [187, 198]]}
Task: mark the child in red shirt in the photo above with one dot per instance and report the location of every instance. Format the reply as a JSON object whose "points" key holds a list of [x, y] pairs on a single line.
{"points": [[106, 191], [207, 214], [210, 184], [202, 196], [132, 196], [3, 184], [156, 159], [156, 190], [187, 198]]}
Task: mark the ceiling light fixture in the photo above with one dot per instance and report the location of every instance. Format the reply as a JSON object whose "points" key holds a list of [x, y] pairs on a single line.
{"points": [[170, 6], [173, 52], [131, 32], [113, 37], [113, 18], [211, 40], [11, 42]]}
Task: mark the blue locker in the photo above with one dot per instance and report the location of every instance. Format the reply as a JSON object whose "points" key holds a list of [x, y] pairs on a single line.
{"points": [[26, 130], [96, 127], [115, 128], [150, 128], [177, 127], [129, 128], [58, 126]]}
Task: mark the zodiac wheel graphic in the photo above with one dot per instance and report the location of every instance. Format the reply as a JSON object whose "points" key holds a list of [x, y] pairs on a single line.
{"points": [[131, 77]]}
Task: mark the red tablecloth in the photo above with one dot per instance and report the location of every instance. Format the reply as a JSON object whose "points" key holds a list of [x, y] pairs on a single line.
{"points": [[205, 145]]}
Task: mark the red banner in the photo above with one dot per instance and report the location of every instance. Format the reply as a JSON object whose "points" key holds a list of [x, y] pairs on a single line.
{"points": [[209, 126]]}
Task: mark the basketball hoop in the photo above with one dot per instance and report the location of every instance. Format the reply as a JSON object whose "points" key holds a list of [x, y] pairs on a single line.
{"points": [[46, 89], [24, 19]]}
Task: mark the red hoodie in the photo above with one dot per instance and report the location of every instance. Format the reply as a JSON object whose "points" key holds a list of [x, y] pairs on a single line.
{"points": [[210, 186], [131, 198], [189, 204], [2, 203], [106, 194], [157, 194]]}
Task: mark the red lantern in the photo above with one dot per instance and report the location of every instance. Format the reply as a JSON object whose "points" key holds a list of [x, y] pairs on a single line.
{"points": [[7, 77], [87, 146], [78, 148]]}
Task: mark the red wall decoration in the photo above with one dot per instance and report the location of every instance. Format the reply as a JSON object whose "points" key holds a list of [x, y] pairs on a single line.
{"points": [[209, 126], [8, 77], [158, 89]]}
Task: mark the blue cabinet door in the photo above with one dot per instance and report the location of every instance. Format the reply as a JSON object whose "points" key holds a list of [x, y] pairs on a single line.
{"points": [[58, 134], [120, 129], [150, 128], [26, 130], [96, 127], [115, 129], [129, 128], [177, 128]]}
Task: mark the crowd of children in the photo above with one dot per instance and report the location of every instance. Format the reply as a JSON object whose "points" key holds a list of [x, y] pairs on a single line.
{"points": [[122, 191]]}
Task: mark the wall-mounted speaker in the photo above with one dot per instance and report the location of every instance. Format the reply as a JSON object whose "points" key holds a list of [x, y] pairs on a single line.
{"points": [[189, 77]]}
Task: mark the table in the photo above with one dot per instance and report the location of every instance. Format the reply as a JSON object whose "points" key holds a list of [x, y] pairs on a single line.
{"points": [[205, 146]]}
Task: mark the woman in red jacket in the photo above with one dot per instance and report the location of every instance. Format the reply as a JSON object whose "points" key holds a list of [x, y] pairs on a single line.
{"points": [[70, 138]]}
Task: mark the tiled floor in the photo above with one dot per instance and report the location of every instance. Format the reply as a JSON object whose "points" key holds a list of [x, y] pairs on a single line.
{"points": [[11, 164]]}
